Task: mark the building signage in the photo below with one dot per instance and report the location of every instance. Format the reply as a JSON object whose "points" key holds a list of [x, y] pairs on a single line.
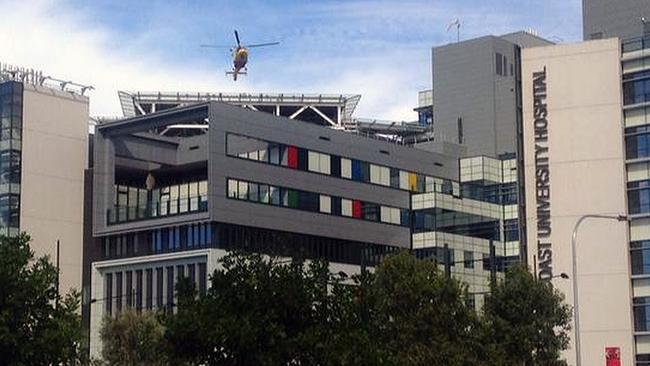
{"points": [[612, 356], [542, 176]]}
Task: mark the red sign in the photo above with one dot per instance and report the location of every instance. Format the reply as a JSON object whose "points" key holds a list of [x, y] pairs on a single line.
{"points": [[612, 356]]}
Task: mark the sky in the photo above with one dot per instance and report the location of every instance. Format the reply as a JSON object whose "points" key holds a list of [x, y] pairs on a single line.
{"points": [[379, 49]]}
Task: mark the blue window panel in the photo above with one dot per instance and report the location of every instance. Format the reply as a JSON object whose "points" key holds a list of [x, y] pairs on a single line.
{"points": [[209, 234], [202, 233], [177, 242], [190, 237], [356, 170], [197, 241]]}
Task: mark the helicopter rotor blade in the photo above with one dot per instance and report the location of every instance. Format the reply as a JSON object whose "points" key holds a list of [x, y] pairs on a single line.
{"points": [[262, 44], [237, 38], [213, 46]]}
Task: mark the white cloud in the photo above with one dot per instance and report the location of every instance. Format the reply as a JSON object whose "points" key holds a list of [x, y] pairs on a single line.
{"points": [[377, 49], [52, 37]]}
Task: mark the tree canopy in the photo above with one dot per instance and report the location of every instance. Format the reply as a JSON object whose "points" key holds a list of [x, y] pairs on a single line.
{"points": [[33, 330], [265, 311]]}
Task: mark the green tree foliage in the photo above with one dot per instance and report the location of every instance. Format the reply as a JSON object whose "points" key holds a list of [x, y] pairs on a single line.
{"points": [[406, 312], [425, 319], [526, 321], [134, 339], [33, 331]]}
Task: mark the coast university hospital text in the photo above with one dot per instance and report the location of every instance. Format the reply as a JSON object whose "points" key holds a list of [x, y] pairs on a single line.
{"points": [[542, 176]]}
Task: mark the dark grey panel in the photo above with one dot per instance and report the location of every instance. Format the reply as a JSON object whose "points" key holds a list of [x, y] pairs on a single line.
{"points": [[614, 18]]}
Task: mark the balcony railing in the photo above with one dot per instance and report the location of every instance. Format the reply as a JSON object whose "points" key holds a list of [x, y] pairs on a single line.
{"points": [[152, 210], [636, 44]]}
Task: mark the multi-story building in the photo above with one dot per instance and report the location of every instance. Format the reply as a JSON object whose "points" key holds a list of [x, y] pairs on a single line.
{"points": [[165, 206], [43, 154], [629, 21], [574, 161]]}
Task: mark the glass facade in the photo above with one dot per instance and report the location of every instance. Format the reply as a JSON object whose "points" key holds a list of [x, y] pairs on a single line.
{"points": [[11, 111], [133, 203]]}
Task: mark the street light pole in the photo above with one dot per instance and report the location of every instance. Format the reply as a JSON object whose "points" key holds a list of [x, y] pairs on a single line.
{"points": [[576, 310]]}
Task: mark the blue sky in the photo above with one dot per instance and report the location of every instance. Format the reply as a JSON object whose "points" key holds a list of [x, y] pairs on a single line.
{"points": [[380, 49]]}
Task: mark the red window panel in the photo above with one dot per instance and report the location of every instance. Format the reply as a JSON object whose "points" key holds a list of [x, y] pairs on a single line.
{"points": [[292, 157], [356, 209]]}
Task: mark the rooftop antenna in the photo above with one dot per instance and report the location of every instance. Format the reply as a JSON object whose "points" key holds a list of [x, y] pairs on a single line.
{"points": [[455, 23]]}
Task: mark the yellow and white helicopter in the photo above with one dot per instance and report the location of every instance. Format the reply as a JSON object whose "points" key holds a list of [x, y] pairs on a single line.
{"points": [[239, 55]]}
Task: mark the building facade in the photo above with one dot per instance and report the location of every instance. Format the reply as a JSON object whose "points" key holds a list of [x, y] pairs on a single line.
{"points": [[43, 153], [574, 162], [476, 96], [170, 206]]}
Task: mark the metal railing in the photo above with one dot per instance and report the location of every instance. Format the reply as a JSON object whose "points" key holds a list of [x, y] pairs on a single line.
{"points": [[151, 210]]}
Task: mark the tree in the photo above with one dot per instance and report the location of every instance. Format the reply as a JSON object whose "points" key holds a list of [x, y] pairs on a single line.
{"points": [[133, 338], [425, 319], [257, 312], [526, 321], [33, 330]]}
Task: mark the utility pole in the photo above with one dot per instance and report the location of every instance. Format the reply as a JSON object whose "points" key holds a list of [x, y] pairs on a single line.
{"points": [[58, 274]]}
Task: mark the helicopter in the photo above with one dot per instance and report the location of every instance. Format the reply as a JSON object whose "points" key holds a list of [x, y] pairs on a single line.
{"points": [[239, 55]]}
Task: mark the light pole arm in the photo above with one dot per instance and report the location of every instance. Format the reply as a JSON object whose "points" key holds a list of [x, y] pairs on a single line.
{"points": [[576, 310]]}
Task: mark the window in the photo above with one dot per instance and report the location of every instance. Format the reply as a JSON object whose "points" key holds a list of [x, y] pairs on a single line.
{"points": [[468, 259], [159, 287], [499, 64], [640, 257], [637, 88], [118, 291], [149, 286], [637, 146], [108, 285], [325, 204], [346, 168], [293, 198], [641, 309], [369, 211], [638, 197]]}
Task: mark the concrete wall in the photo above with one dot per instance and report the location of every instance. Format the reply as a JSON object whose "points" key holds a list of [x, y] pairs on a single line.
{"points": [[614, 18], [465, 85], [587, 176], [54, 156]]}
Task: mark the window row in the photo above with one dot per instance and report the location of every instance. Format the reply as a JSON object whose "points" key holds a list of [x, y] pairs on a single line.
{"points": [[149, 288], [307, 160], [189, 237], [315, 202], [132, 203], [176, 238]]}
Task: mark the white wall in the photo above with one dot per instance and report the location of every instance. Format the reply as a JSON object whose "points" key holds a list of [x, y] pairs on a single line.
{"points": [[587, 176], [54, 156]]}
